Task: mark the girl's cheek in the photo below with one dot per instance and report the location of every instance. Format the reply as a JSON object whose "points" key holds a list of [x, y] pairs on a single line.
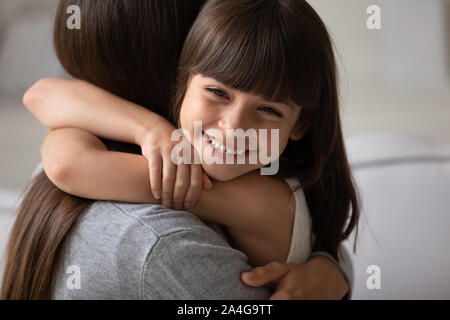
{"points": [[279, 143], [204, 111], [193, 109]]}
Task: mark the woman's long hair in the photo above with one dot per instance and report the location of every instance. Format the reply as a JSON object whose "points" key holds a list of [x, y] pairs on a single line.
{"points": [[281, 50], [130, 48]]}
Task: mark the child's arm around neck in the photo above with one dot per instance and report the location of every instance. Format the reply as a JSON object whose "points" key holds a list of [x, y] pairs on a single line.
{"points": [[255, 209]]}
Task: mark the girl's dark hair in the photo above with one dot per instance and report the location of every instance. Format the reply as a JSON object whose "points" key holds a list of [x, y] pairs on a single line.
{"points": [[281, 50], [130, 48]]}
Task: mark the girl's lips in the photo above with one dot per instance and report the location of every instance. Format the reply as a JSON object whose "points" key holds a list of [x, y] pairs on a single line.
{"points": [[216, 152], [208, 140]]}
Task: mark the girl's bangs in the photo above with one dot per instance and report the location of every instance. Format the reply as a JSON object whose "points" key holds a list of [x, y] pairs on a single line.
{"points": [[258, 56]]}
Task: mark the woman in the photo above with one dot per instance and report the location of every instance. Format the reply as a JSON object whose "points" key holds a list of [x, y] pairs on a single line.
{"points": [[47, 215]]}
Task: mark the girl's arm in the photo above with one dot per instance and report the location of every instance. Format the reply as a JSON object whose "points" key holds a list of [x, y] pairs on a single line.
{"points": [[258, 219], [79, 163], [64, 103]]}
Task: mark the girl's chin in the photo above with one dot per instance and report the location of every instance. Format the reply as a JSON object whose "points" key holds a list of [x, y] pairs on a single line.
{"points": [[222, 172]]}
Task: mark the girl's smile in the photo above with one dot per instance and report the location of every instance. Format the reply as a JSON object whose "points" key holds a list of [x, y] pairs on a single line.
{"points": [[216, 152]]}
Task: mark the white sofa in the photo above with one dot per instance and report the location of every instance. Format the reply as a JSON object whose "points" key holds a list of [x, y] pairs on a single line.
{"points": [[404, 183]]}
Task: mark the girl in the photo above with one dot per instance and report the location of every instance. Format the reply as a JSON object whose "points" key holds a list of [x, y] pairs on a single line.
{"points": [[245, 64], [42, 220]]}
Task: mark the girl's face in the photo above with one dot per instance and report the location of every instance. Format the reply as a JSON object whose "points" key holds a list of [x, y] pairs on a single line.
{"points": [[220, 107]]}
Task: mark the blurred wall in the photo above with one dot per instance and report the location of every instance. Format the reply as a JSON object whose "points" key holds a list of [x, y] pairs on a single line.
{"points": [[411, 49], [396, 79], [26, 55], [26, 45]]}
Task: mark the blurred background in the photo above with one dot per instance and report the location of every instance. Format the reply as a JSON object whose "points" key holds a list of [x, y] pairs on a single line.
{"points": [[394, 81]]}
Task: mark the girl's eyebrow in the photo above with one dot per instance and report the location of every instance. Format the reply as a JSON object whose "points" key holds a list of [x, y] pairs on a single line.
{"points": [[290, 106], [209, 79], [286, 104]]}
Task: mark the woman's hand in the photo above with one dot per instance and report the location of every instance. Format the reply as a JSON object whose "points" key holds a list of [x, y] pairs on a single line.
{"points": [[317, 279], [178, 186]]}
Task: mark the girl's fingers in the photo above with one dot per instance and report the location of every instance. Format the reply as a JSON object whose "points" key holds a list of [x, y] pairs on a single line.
{"points": [[154, 162], [168, 179], [207, 183], [195, 187], [181, 185]]}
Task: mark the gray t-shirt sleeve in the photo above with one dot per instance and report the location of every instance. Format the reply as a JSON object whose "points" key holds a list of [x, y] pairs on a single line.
{"points": [[131, 251], [197, 265], [344, 265]]}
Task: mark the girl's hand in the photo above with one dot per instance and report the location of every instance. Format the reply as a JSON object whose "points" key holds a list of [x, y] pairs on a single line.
{"points": [[317, 279], [180, 185]]}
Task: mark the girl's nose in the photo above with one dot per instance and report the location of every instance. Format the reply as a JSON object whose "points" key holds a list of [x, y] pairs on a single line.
{"points": [[234, 118]]}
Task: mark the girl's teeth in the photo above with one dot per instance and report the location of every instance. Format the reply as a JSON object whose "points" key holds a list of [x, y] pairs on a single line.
{"points": [[221, 148]]}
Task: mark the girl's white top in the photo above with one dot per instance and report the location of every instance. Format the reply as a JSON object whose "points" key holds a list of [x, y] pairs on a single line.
{"points": [[301, 239]]}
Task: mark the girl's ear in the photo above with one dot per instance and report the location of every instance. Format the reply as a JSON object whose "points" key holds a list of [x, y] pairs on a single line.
{"points": [[297, 133], [299, 129]]}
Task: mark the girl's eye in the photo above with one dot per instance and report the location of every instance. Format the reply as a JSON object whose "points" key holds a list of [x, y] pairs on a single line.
{"points": [[217, 92], [271, 111]]}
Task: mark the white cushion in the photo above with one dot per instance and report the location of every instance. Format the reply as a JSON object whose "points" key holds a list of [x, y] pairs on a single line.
{"points": [[404, 185]]}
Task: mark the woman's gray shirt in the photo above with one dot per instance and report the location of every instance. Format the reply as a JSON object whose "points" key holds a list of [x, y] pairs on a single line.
{"points": [[131, 251]]}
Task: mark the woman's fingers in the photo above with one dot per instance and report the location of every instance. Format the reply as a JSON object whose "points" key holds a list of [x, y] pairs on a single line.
{"points": [[290, 287], [169, 177], [182, 182], [283, 275], [272, 272], [285, 294], [195, 187], [155, 171]]}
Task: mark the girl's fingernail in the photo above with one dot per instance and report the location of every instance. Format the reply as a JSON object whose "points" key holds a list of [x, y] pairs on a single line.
{"points": [[157, 195], [177, 206], [188, 205], [249, 275], [167, 203]]}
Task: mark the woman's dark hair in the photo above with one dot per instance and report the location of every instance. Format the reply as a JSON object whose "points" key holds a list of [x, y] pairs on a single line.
{"points": [[130, 48], [281, 50]]}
